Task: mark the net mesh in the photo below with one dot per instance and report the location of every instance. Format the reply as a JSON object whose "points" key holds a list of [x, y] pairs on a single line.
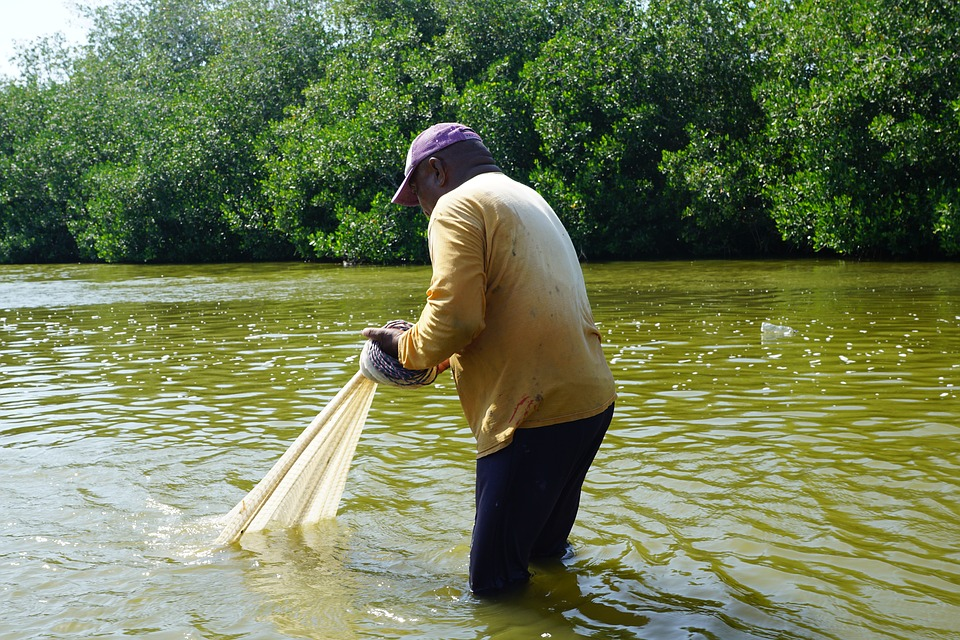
{"points": [[305, 484]]}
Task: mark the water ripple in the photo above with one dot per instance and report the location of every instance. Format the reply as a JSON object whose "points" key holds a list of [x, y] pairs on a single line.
{"points": [[803, 487]]}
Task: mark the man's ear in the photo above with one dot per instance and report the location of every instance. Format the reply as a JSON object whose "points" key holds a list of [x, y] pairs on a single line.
{"points": [[438, 170]]}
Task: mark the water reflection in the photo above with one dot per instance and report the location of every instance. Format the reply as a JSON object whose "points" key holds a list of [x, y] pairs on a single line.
{"points": [[797, 487]]}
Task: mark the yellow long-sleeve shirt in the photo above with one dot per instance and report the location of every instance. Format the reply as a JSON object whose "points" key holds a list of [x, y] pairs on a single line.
{"points": [[507, 304]]}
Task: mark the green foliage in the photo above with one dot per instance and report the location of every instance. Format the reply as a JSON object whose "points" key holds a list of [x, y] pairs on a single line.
{"points": [[947, 222], [384, 234], [332, 160], [715, 185], [608, 107], [242, 129], [341, 148], [36, 176], [861, 127], [157, 125], [592, 113]]}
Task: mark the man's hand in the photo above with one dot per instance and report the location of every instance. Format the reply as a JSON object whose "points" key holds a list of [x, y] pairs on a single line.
{"points": [[386, 338]]}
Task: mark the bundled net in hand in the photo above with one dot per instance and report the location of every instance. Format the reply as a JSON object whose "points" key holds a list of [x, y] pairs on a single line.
{"points": [[385, 369]]}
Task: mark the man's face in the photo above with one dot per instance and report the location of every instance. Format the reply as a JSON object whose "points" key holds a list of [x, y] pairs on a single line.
{"points": [[427, 183]]}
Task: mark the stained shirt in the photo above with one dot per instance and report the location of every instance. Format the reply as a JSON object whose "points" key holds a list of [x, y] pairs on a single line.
{"points": [[508, 305]]}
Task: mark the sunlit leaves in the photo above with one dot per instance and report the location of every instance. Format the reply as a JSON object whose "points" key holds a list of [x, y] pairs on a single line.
{"points": [[242, 129], [333, 162], [863, 142], [158, 126]]}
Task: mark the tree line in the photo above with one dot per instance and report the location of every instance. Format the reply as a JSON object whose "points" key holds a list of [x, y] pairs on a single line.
{"points": [[186, 131]]}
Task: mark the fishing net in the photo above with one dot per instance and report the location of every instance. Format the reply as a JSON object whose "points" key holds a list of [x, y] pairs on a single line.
{"points": [[305, 484]]}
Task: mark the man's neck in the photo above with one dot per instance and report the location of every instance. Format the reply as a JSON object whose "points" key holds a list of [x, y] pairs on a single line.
{"points": [[473, 172]]}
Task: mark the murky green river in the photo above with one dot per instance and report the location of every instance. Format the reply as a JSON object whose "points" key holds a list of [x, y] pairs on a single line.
{"points": [[750, 487]]}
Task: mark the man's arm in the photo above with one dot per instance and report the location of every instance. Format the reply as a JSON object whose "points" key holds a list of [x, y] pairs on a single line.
{"points": [[456, 298]]}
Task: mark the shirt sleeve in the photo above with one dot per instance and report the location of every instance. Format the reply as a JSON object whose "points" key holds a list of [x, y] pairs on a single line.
{"points": [[456, 301]]}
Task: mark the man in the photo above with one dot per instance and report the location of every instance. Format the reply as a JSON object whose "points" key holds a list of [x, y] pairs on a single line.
{"points": [[507, 311]]}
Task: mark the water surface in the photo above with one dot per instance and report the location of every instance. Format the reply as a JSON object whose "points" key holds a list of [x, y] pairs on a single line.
{"points": [[750, 486]]}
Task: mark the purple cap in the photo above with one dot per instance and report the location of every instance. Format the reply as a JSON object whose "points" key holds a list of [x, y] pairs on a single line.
{"points": [[437, 137]]}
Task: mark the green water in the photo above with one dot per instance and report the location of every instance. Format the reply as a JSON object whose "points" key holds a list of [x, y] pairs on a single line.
{"points": [[750, 487]]}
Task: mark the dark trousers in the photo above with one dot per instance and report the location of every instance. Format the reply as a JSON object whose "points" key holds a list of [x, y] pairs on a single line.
{"points": [[527, 497]]}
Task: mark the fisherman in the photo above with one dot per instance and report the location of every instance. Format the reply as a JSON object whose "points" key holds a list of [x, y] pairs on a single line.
{"points": [[507, 312]]}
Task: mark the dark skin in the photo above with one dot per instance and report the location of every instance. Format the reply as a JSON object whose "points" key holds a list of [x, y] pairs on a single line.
{"points": [[434, 177]]}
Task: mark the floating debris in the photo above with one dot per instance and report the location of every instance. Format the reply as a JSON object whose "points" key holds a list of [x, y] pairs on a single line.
{"points": [[770, 330]]}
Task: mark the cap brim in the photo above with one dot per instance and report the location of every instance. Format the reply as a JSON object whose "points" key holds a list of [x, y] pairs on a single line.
{"points": [[405, 196]]}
